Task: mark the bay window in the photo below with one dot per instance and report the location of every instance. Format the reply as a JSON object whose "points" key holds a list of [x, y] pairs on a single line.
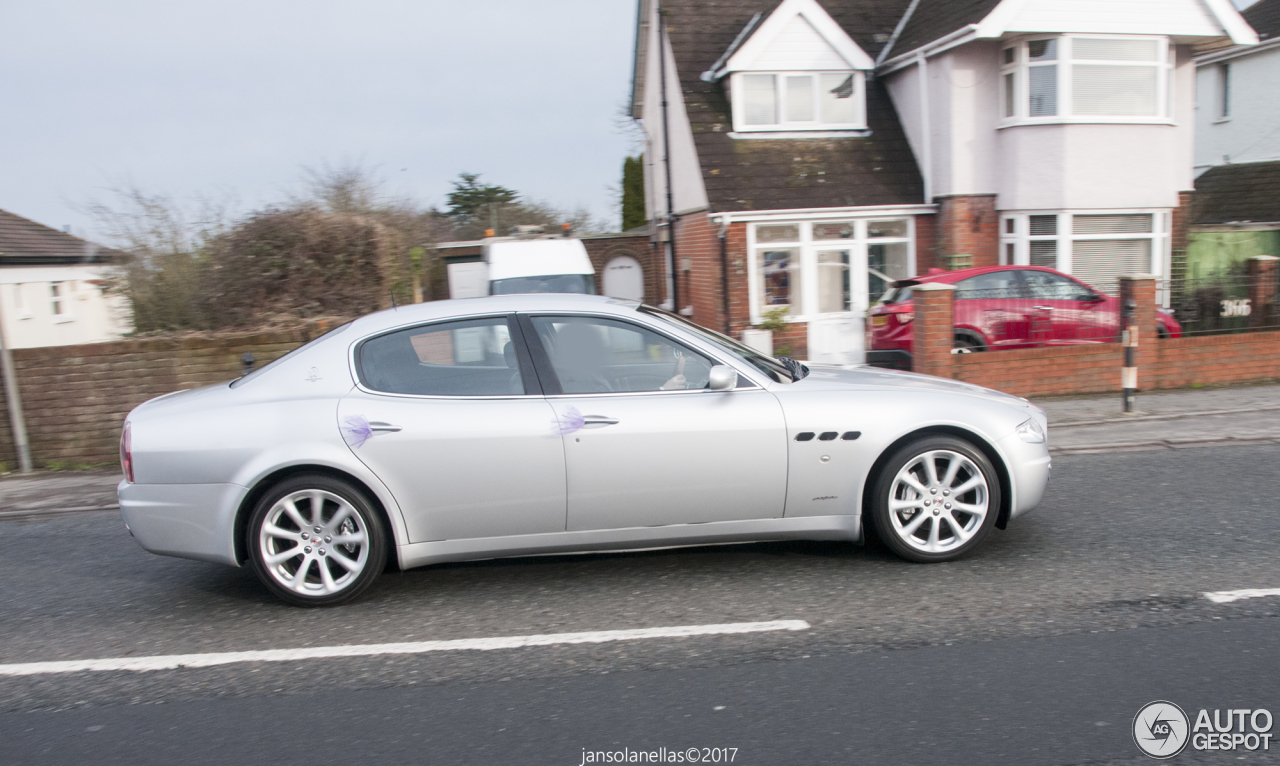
{"points": [[1075, 78], [1096, 248], [777, 101]]}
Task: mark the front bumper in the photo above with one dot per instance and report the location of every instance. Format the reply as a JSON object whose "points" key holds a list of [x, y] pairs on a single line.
{"points": [[191, 521], [1029, 466], [893, 359]]}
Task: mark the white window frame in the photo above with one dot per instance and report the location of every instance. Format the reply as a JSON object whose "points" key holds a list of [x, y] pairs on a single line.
{"points": [[60, 301], [1161, 222], [808, 247], [1223, 100], [738, 102], [1163, 63]]}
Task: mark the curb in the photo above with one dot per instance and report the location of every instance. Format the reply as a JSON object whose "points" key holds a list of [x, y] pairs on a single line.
{"points": [[1170, 416], [1222, 441]]}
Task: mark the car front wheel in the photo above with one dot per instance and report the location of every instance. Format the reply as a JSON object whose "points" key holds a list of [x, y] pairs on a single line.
{"points": [[316, 541], [936, 499]]}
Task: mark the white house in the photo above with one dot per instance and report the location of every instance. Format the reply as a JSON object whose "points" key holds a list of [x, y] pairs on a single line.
{"points": [[53, 287], [1237, 208], [1237, 114], [818, 148]]}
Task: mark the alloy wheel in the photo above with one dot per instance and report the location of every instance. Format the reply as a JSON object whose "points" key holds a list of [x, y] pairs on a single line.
{"points": [[314, 542], [938, 501]]}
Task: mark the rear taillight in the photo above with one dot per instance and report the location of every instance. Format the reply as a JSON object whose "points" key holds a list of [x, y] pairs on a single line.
{"points": [[126, 453]]}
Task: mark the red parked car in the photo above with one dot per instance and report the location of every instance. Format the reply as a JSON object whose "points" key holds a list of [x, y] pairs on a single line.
{"points": [[1000, 307]]}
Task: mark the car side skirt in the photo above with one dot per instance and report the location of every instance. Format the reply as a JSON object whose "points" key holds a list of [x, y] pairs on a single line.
{"points": [[847, 528]]}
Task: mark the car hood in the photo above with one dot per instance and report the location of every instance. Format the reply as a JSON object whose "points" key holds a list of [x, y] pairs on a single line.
{"points": [[828, 377]]}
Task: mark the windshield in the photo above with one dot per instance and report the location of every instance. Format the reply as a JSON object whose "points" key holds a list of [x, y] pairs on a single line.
{"points": [[583, 284], [246, 378], [776, 370]]}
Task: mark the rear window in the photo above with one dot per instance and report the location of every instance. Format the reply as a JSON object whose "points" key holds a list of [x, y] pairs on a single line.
{"points": [[466, 358], [995, 284], [896, 295]]}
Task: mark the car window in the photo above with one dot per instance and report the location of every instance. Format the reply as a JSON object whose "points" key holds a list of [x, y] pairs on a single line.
{"points": [[467, 358], [594, 355], [776, 370], [992, 285], [1045, 285]]}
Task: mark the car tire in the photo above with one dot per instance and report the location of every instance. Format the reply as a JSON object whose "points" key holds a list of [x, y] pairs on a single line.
{"points": [[968, 344], [338, 541], [916, 510]]}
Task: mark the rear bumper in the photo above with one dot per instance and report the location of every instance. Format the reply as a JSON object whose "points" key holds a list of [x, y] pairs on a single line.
{"points": [[191, 521], [893, 359]]}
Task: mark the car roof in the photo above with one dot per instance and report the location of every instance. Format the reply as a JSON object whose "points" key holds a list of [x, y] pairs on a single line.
{"points": [[492, 304], [949, 277]]}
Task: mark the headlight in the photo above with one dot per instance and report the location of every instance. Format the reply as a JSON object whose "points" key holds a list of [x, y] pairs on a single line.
{"points": [[1031, 432]]}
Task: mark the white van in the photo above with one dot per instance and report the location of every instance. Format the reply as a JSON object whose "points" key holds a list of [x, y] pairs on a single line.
{"points": [[549, 265]]}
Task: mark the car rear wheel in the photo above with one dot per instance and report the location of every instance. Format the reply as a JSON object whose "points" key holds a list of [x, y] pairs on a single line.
{"points": [[316, 541], [968, 344], [936, 499]]}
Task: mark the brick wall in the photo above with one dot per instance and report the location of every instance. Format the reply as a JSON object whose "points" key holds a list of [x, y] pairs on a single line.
{"points": [[927, 256], [698, 247], [75, 398], [1179, 235], [968, 224], [1095, 368]]}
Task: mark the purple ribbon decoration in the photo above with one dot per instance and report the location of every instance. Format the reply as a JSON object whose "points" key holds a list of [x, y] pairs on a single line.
{"points": [[356, 431], [568, 422]]}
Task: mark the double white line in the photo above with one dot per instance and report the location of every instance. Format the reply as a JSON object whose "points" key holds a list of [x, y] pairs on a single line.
{"points": [[173, 661]]}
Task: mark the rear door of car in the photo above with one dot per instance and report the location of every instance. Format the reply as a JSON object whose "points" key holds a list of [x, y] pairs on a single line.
{"points": [[450, 417], [645, 442]]}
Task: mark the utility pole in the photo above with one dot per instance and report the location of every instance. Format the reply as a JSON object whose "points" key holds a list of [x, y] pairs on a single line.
{"points": [[17, 424]]}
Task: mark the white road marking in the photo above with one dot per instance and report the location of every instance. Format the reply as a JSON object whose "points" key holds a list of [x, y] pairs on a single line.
{"points": [[1227, 596], [173, 661]]}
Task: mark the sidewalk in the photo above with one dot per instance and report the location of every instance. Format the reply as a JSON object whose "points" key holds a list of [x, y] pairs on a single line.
{"points": [[1165, 420]]}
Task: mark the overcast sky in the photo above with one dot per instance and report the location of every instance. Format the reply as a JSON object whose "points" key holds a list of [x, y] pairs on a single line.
{"points": [[236, 97]]}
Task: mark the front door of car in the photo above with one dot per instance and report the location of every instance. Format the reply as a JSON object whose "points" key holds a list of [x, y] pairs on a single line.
{"points": [[449, 417], [645, 442], [992, 303], [1060, 306]]}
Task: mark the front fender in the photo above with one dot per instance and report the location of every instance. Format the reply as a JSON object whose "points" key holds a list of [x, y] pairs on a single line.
{"points": [[829, 477]]}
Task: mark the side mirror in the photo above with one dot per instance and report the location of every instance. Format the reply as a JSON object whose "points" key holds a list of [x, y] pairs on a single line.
{"points": [[723, 378]]}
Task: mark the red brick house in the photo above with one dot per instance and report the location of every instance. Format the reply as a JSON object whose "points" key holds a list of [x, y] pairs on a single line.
{"points": [[803, 153]]}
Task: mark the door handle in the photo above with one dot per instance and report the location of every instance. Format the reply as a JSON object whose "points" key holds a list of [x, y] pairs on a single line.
{"points": [[598, 420], [1043, 308], [383, 427]]}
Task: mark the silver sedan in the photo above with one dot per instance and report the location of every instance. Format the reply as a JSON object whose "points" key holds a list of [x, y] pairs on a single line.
{"points": [[528, 424]]}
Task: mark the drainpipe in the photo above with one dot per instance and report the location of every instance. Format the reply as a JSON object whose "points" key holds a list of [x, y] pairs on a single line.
{"points": [[724, 273], [673, 282], [926, 141], [17, 423]]}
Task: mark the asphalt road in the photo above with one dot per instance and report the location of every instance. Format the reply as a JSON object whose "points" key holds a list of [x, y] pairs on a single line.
{"points": [[1038, 649]]}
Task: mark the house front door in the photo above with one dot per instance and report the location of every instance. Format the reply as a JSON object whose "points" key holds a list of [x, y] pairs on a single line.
{"points": [[837, 334]]}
